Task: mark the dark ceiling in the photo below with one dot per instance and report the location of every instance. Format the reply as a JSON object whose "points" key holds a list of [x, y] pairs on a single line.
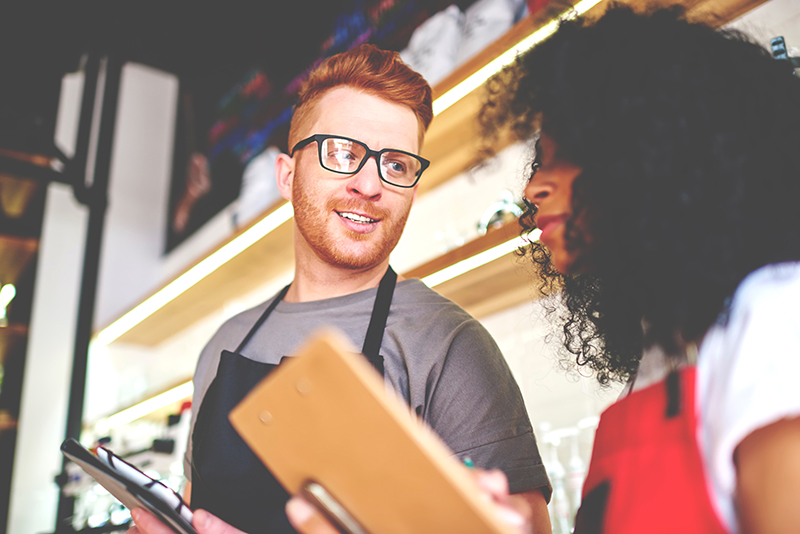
{"points": [[206, 43]]}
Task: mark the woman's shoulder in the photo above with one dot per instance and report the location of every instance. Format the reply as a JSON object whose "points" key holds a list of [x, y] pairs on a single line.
{"points": [[773, 286]]}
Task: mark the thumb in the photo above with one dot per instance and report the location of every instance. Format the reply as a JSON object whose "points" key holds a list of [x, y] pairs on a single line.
{"points": [[207, 523], [306, 519]]}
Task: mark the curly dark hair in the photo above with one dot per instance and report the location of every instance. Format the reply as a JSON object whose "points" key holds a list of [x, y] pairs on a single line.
{"points": [[689, 141]]}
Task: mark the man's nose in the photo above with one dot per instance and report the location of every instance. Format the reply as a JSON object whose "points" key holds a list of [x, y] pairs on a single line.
{"points": [[367, 182]]}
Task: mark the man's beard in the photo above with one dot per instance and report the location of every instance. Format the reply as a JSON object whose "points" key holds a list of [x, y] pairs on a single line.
{"points": [[311, 221]]}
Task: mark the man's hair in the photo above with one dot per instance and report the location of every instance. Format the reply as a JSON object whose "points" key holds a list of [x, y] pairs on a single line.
{"points": [[688, 139], [367, 68]]}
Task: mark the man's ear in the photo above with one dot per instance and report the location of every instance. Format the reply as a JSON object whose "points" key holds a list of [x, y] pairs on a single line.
{"points": [[284, 175]]}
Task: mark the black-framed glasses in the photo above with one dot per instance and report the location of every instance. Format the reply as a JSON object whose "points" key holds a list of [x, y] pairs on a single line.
{"points": [[348, 156]]}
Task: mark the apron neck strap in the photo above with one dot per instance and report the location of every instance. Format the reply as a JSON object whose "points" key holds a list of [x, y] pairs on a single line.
{"points": [[275, 301], [380, 312]]}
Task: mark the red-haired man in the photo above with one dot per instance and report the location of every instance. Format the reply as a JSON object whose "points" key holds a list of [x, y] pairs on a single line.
{"points": [[351, 174]]}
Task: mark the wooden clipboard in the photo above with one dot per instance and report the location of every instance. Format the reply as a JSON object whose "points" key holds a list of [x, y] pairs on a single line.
{"points": [[326, 416]]}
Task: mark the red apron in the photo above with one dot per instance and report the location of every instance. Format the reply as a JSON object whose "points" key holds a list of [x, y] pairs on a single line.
{"points": [[646, 473]]}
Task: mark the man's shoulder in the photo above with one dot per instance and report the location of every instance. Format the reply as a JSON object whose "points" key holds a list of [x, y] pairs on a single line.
{"points": [[412, 293]]}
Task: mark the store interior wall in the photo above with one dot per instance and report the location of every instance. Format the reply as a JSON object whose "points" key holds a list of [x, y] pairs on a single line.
{"points": [[133, 266]]}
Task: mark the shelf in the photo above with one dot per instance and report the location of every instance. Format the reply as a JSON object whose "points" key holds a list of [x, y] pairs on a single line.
{"points": [[452, 144], [10, 337], [15, 256], [20, 165], [491, 287]]}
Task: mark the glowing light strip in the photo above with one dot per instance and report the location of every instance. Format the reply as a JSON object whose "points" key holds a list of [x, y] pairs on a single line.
{"points": [[478, 78], [477, 260], [186, 389], [137, 411], [195, 274]]}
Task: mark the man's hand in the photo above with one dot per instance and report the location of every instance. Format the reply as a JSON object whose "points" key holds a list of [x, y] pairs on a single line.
{"points": [[513, 510], [203, 522]]}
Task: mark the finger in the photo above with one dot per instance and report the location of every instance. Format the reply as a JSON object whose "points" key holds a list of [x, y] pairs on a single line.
{"points": [[494, 483], [207, 523], [305, 518], [147, 523]]}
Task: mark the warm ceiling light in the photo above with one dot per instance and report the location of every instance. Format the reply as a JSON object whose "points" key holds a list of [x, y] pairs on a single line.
{"points": [[478, 78]]}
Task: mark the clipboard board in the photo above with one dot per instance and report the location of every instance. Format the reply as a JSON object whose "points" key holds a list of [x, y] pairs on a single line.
{"points": [[130, 486], [326, 417]]}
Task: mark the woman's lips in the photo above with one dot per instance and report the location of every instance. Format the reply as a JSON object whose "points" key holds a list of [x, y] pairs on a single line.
{"points": [[549, 224]]}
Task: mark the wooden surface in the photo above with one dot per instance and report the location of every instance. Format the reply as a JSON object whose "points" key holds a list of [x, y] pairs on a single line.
{"points": [[452, 145], [15, 254]]}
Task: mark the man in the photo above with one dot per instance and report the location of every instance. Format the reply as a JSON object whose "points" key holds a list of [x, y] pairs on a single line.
{"points": [[351, 176]]}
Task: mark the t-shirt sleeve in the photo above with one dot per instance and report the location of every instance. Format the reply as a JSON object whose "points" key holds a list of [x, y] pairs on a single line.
{"points": [[476, 406], [749, 368]]}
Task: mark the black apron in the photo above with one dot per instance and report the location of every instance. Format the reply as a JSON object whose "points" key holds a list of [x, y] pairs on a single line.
{"points": [[228, 479]]}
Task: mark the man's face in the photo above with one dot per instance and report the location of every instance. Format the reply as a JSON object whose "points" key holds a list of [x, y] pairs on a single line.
{"points": [[353, 221]]}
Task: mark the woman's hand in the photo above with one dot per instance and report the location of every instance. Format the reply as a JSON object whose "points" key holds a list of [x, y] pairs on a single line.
{"points": [[203, 522]]}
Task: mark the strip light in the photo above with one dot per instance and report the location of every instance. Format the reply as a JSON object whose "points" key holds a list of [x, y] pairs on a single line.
{"points": [[478, 260], [478, 78], [137, 411], [284, 213], [207, 266]]}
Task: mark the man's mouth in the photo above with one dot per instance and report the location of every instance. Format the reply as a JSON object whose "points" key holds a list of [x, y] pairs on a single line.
{"points": [[355, 217]]}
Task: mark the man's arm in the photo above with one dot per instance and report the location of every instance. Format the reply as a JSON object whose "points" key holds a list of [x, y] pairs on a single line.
{"points": [[535, 503]]}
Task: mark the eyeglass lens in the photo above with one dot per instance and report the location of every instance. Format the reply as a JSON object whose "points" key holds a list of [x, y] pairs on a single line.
{"points": [[343, 155]]}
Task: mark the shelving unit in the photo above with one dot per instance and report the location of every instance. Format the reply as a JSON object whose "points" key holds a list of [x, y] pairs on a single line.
{"points": [[452, 144], [21, 212], [23, 182]]}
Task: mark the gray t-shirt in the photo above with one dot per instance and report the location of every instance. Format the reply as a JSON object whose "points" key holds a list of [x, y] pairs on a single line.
{"points": [[441, 360]]}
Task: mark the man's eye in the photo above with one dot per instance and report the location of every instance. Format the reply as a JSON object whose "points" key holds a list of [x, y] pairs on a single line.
{"points": [[396, 166], [342, 155]]}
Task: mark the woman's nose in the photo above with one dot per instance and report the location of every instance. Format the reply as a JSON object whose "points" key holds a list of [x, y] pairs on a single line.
{"points": [[535, 193]]}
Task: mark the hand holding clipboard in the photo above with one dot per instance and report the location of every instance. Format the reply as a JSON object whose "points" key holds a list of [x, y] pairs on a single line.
{"points": [[325, 417]]}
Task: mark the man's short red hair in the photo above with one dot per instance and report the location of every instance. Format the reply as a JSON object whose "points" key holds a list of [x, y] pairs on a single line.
{"points": [[372, 70]]}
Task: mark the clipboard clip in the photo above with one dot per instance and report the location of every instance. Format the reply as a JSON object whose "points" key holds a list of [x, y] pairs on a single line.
{"points": [[317, 495]]}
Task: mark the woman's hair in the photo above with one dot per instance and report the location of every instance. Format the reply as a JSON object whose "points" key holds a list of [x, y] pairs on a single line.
{"points": [[367, 68], [689, 141]]}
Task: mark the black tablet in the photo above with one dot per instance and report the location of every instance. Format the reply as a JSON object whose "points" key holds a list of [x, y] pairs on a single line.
{"points": [[130, 486]]}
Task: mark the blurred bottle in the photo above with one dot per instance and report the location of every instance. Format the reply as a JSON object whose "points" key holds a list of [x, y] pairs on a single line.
{"points": [[559, 506], [576, 473]]}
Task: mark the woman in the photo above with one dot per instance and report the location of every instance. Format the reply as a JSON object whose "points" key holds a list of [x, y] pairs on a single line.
{"points": [[666, 185]]}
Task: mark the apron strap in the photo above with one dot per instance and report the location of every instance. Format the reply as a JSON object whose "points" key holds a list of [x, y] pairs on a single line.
{"points": [[275, 301], [377, 323]]}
